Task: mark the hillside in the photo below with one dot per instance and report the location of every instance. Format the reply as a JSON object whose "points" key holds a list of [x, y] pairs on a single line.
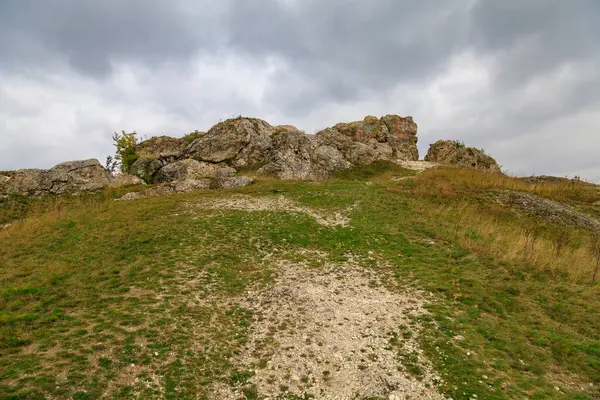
{"points": [[376, 283]]}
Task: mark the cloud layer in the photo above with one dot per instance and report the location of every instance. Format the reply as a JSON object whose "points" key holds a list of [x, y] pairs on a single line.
{"points": [[519, 79]]}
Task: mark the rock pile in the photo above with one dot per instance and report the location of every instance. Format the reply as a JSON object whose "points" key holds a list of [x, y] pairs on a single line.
{"points": [[456, 153]]}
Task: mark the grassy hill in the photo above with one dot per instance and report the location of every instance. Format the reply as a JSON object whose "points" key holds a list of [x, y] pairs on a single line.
{"points": [[184, 296]]}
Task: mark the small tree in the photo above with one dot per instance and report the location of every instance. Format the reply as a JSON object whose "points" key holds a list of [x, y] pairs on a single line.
{"points": [[125, 153], [111, 165]]}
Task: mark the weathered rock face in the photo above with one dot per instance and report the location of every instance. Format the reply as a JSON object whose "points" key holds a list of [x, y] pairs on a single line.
{"points": [[160, 146], [450, 152], [295, 155], [283, 150], [145, 168], [192, 169], [240, 142], [67, 177]]}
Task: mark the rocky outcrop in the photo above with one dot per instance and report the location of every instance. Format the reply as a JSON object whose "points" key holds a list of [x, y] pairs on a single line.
{"points": [[67, 177], [288, 153], [455, 153], [209, 160]]}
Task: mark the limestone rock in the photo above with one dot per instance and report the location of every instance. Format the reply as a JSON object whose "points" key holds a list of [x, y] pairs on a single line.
{"points": [[192, 169], [240, 141], [125, 180], [454, 153], [150, 192], [145, 168], [234, 182], [67, 177], [295, 155], [159, 146], [189, 185]]}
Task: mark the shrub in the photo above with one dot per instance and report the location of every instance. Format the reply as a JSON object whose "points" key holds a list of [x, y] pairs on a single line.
{"points": [[125, 153], [190, 137], [459, 144]]}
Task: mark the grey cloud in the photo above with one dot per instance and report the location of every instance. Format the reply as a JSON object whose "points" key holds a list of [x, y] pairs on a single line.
{"points": [[535, 36], [90, 34], [342, 48]]}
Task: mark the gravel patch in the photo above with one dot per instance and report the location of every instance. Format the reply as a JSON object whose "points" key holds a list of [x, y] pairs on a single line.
{"points": [[279, 203], [334, 333]]}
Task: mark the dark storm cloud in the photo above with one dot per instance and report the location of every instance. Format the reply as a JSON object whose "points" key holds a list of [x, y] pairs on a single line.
{"points": [[91, 34], [534, 36], [340, 48]]}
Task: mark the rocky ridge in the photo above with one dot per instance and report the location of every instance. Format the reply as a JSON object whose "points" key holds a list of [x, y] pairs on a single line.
{"points": [[211, 160]]}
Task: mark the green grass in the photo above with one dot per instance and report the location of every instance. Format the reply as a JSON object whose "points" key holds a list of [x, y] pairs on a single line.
{"points": [[96, 293]]}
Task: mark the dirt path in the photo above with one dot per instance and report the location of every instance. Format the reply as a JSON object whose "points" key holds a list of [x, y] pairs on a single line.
{"points": [[279, 203], [334, 333]]}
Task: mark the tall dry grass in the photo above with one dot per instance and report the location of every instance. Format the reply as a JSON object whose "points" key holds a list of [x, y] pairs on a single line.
{"points": [[448, 181], [566, 251]]}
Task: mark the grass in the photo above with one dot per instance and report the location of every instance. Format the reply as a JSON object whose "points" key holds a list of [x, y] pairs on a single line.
{"points": [[105, 299]]}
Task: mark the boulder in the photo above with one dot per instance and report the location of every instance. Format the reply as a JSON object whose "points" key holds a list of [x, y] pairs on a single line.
{"points": [[240, 142], [295, 155], [160, 146], [125, 180], [67, 177], [188, 185], [192, 169], [455, 153], [234, 182], [389, 138], [145, 168]]}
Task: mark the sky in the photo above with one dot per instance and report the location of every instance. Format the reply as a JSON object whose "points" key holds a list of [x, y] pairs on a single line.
{"points": [[518, 78]]}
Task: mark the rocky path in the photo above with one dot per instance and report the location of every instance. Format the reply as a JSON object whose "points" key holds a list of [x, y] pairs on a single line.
{"points": [[333, 332]]}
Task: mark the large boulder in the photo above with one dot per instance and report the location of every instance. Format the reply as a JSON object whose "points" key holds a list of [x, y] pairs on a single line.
{"points": [[67, 177], [295, 155], [192, 169], [160, 146], [456, 153], [389, 138], [145, 168], [240, 142]]}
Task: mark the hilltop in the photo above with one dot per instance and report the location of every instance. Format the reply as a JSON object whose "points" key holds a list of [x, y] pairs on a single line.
{"points": [[376, 276]]}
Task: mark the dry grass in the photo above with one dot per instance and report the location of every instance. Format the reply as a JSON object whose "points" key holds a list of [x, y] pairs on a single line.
{"points": [[450, 181], [557, 252], [461, 198]]}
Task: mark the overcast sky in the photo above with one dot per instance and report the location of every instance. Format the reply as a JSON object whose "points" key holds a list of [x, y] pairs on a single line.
{"points": [[519, 78]]}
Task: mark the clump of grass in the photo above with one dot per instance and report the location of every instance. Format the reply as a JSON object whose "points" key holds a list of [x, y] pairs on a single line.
{"points": [[190, 137]]}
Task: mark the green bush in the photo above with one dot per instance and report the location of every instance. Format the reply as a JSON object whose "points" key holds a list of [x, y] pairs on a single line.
{"points": [[125, 153]]}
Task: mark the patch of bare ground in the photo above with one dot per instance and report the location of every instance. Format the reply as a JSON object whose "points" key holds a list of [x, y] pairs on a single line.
{"points": [[333, 332], [418, 166], [279, 203]]}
